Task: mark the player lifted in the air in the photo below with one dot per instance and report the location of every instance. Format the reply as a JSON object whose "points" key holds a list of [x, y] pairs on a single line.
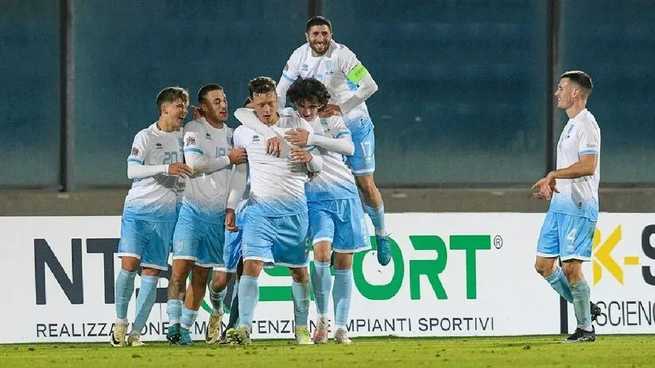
{"points": [[148, 221], [349, 85], [275, 221]]}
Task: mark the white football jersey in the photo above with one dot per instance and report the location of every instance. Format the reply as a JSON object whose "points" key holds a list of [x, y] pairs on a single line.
{"points": [[154, 198], [578, 197], [333, 69], [335, 181], [277, 185], [206, 192]]}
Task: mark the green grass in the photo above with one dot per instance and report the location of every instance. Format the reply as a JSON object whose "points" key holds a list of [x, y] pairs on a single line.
{"points": [[526, 351]]}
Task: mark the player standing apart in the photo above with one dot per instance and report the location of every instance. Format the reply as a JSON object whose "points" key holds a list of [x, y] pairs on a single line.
{"points": [[349, 85], [155, 165], [572, 189]]}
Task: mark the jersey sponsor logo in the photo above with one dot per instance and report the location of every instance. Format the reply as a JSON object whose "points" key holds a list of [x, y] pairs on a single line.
{"points": [[328, 65], [304, 67], [159, 146], [135, 151], [208, 136], [190, 141], [255, 138]]}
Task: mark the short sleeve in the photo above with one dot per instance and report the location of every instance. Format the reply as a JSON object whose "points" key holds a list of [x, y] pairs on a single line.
{"points": [[191, 141], [588, 140], [139, 149]]}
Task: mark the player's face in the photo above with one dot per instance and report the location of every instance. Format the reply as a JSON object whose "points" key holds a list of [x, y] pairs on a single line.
{"points": [[319, 38], [565, 93], [265, 105], [308, 110], [214, 106], [175, 111]]}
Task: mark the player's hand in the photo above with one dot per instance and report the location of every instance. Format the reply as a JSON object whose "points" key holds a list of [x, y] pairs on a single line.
{"points": [[545, 186], [298, 137], [329, 110], [197, 113], [230, 220], [238, 156], [299, 155], [179, 169], [274, 146]]}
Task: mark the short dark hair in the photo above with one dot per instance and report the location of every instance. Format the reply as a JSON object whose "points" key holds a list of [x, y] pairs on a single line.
{"points": [[308, 89], [204, 90], [247, 101], [170, 94], [580, 78], [261, 85], [318, 21]]}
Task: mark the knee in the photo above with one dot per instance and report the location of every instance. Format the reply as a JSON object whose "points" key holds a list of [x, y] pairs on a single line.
{"points": [[367, 185], [322, 252], [219, 281], [300, 275], [343, 261], [544, 268], [572, 270]]}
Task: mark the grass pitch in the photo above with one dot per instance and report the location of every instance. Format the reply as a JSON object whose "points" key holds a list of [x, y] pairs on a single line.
{"points": [[526, 351]]}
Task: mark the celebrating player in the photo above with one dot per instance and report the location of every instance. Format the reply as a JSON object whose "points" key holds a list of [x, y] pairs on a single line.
{"points": [[199, 233], [148, 220], [349, 85]]}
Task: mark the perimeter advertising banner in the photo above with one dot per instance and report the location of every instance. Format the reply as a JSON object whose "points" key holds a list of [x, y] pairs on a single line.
{"points": [[464, 274]]}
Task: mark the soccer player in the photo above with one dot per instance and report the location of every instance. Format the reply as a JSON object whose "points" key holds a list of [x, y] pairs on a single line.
{"points": [[276, 221], [336, 219], [155, 165], [199, 233], [232, 257], [349, 84], [572, 189]]}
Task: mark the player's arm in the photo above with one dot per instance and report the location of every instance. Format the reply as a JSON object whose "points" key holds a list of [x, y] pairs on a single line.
{"points": [[357, 74], [289, 75], [585, 167], [237, 188], [367, 87], [137, 169], [588, 149], [200, 162], [341, 142], [248, 118]]}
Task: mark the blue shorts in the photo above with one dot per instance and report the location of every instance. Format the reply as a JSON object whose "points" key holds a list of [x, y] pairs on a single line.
{"points": [[340, 222], [362, 162], [282, 240], [199, 241], [566, 236], [148, 241]]}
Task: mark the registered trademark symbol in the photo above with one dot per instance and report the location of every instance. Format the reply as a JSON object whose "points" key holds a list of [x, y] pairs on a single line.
{"points": [[498, 241]]}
